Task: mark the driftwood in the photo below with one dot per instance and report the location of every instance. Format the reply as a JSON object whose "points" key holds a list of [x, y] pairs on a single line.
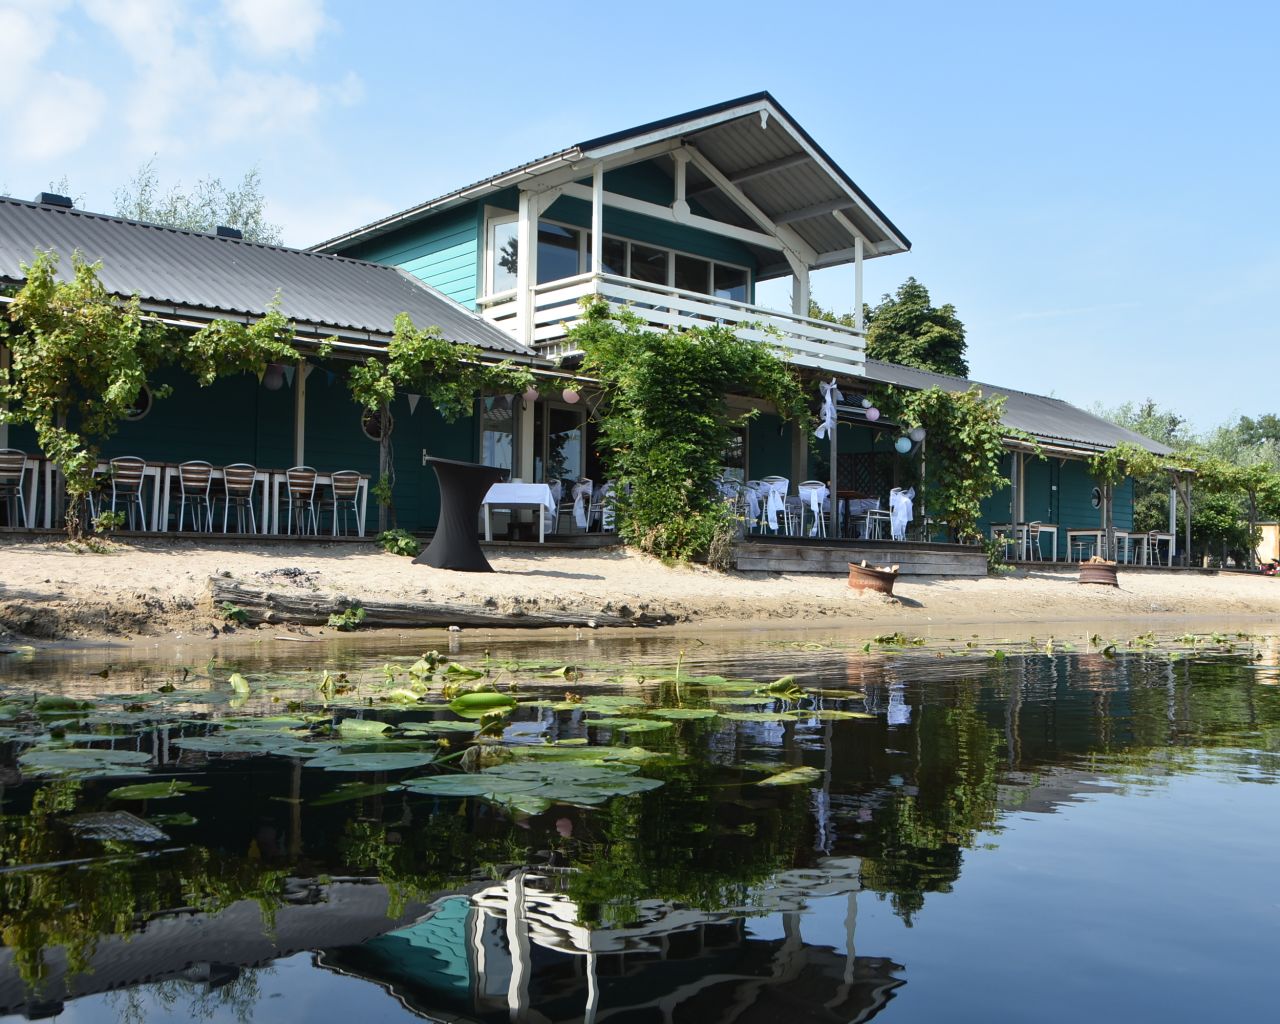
{"points": [[313, 609]]}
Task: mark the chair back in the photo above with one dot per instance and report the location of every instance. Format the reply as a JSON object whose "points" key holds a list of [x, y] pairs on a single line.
{"points": [[126, 474], [346, 483], [301, 482], [13, 462], [195, 477], [1033, 529], [238, 479]]}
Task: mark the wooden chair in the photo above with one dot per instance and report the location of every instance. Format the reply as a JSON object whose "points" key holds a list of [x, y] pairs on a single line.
{"points": [[195, 480], [13, 468], [238, 481], [345, 489], [127, 474], [300, 495]]}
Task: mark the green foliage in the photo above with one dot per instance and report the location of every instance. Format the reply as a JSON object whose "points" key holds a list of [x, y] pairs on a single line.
{"points": [[381, 492], [1124, 460], [233, 613], [348, 620], [208, 205], [665, 423], [80, 358], [907, 329], [399, 542], [449, 375], [106, 521], [965, 446]]}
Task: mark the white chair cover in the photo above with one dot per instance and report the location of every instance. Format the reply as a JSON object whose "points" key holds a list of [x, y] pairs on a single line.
{"points": [[752, 495], [775, 501], [550, 519], [819, 500], [900, 511], [581, 500]]}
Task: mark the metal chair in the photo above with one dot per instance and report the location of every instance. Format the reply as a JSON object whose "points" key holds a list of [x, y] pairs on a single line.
{"points": [[127, 474], [777, 485], [806, 489], [13, 468], [195, 480], [1032, 542], [300, 494], [345, 488], [1151, 550], [238, 481]]}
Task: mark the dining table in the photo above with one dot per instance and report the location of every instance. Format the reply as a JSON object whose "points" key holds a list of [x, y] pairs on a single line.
{"points": [[1022, 537], [171, 473], [278, 481], [152, 473], [517, 495]]}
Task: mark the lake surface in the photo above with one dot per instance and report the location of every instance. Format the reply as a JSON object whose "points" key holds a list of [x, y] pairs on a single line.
{"points": [[659, 830]]}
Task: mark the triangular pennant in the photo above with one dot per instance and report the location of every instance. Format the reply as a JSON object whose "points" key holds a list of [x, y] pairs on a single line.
{"points": [[329, 377], [288, 374], [413, 403], [306, 370]]}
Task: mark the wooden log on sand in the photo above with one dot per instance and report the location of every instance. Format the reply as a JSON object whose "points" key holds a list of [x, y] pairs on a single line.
{"points": [[314, 609]]}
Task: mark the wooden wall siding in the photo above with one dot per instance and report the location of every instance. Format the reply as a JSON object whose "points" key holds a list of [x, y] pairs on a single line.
{"points": [[442, 250], [911, 559], [768, 451]]}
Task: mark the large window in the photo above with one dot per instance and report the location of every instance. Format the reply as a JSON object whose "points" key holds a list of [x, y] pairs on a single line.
{"points": [[503, 256], [558, 450], [498, 431]]}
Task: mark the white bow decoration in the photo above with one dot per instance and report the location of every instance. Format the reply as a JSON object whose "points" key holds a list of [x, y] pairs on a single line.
{"points": [[830, 396]]}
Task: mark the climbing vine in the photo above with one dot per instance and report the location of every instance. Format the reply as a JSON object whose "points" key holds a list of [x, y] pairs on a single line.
{"points": [[665, 423], [81, 356], [965, 445], [446, 373]]}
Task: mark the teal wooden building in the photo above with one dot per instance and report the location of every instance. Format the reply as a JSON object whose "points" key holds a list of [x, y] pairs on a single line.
{"points": [[682, 219]]}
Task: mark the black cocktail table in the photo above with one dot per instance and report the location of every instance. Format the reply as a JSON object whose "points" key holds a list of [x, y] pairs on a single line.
{"points": [[463, 486]]}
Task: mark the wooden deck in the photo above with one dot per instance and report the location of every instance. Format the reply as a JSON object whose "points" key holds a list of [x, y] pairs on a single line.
{"points": [[798, 554]]}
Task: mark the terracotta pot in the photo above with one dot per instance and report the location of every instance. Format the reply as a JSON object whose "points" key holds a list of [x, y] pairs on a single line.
{"points": [[1097, 572], [863, 577]]}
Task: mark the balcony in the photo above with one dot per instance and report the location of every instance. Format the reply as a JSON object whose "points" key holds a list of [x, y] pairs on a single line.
{"points": [[832, 348]]}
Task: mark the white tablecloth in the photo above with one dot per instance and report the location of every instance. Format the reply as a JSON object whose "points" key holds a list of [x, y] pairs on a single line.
{"points": [[520, 495]]}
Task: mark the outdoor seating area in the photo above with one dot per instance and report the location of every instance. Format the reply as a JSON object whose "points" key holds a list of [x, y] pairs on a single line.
{"points": [[190, 497], [767, 507], [587, 509], [1038, 542]]}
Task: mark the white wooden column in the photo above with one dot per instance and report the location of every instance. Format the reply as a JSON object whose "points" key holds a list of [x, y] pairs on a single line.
{"points": [[800, 290], [680, 204], [857, 284], [525, 440], [526, 264], [799, 452], [300, 413], [597, 220]]}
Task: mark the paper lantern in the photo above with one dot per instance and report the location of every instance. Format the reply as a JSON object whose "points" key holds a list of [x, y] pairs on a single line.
{"points": [[916, 434], [273, 379], [866, 403], [569, 395], [530, 394], [903, 445], [873, 414]]}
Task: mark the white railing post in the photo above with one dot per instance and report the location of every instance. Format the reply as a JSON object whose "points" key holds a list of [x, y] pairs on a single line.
{"points": [[597, 220]]}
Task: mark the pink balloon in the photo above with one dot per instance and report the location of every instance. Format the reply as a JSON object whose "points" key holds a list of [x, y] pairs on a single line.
{"points": [[873, 414], [531, 394], [569, 395]]}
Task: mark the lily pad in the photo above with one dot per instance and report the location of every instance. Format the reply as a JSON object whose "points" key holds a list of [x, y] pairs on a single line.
{"points": [[441, 725], [829, 714], [801, 776], [154, 790], [757, 716], [677, 714], [371, 761], [255, 741], [755, 701], [362, 727], [239, 683], [629, 724], [353, 791], [535, 787], [83, 762]]}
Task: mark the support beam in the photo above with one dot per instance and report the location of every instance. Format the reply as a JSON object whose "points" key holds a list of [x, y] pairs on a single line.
{"points": [[816, 210], [857, 285], [4, 376], [681, 203], [800, 290], [758, 171], [665, 213], [597, 220], [526, 259], [526, 442], [300, 413]]}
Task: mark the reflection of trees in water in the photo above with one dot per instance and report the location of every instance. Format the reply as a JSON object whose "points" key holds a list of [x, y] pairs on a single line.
{"points": [[203, 999]]}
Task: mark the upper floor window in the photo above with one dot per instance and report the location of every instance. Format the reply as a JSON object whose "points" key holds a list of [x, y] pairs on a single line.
{"points": [[503, 257]]}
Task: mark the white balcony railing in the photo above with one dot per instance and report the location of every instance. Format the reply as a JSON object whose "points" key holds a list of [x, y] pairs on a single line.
{"points": [[802, 340]]}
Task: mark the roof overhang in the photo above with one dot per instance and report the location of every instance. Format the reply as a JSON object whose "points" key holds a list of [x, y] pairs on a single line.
{"points": [[749, 164]]}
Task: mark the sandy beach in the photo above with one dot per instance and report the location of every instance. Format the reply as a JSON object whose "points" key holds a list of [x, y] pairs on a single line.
{"points": [[158, 588]]}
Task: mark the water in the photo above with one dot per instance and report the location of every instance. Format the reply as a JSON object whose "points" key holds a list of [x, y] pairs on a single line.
{"points": [[979, 832]]}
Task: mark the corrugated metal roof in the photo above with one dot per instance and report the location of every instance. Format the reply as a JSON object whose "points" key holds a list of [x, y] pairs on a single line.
{"points": [[1050, 420], [737, 135], [206, 274]]}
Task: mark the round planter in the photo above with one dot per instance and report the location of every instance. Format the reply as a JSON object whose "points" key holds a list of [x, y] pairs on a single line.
{"points": [[1097, 572], [879, 581]]}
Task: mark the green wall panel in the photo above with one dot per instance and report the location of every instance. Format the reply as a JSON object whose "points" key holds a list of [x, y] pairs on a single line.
{"points": [[768, 449], [442, 250]]}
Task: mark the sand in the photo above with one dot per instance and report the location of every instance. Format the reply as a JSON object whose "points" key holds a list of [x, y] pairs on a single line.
{"points": [[159, 588]]}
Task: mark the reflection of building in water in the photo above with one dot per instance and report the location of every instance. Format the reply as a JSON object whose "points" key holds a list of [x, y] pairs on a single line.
{"points": [[210, 948], [517, 950]]}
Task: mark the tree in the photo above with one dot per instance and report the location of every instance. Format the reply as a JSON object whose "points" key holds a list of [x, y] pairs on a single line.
{"points": [[207, 206], [907, 329]]}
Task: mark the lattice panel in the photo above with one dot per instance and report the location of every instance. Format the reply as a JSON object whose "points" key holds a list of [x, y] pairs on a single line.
{"points": [[870, 473]]}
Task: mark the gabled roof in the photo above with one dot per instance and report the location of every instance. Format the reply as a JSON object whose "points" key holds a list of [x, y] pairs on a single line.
{"points": [[752, 141], [1049, 420], [201, 276]]}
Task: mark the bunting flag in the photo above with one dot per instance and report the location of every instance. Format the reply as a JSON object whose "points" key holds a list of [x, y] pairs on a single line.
{"points": [[830, 396], [413, 403], [329, 377], [289, 370], [306, 370]]}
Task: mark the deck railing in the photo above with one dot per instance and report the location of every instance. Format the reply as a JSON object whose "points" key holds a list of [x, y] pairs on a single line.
{"points": [[801, 339]]}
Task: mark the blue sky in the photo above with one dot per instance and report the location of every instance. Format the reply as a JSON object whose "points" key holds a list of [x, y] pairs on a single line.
{"points": [[1093, 185]]}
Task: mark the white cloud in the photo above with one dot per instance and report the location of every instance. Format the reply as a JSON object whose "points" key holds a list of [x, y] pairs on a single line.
{"points": [[56, 120], [251, 104], [272, 27]]}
